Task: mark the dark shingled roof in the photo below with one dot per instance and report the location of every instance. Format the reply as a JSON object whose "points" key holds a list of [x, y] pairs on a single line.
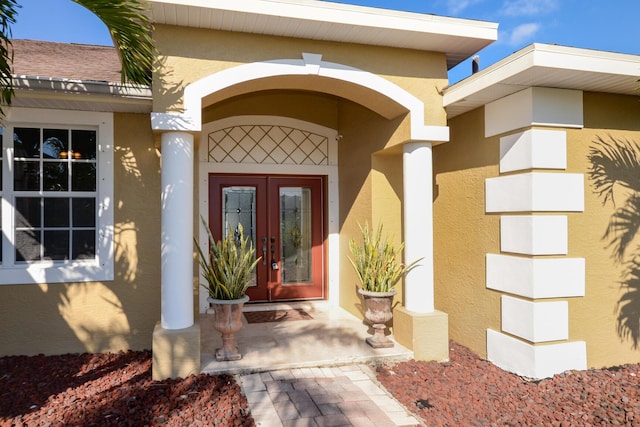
{"points": [[65, 60]]}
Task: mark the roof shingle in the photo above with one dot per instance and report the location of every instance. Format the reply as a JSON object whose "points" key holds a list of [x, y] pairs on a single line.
{"points": [[36, 58]]}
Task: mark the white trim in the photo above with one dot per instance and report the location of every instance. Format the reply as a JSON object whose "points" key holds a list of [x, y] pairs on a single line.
{"points": [[100, 269], [535, 192], [533, 149], [535, 361], [174, 122], [331, 171], [534, 234], [256, 120], [535, 321], [536, 277], [195, 92], [534, 106]]}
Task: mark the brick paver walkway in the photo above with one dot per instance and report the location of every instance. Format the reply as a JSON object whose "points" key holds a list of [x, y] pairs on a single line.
{"points": [[319, 397]]}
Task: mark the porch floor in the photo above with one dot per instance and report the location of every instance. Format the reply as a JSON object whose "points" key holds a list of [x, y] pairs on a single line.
{"points": [[333, 337]]}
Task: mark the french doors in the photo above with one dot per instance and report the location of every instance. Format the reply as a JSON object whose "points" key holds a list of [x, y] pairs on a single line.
{"points": [[284, 218]]}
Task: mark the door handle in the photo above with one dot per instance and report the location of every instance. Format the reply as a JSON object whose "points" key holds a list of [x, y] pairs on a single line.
{"points": [[264, 250], [274, 263]]}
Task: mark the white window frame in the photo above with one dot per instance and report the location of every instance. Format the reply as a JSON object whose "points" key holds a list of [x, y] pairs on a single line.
{"points": [[101, 268]]}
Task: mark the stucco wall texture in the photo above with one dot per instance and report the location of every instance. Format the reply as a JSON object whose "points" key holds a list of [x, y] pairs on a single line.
{"points": [[421, 73], [464, 233], [594, 317], [101, 316]]}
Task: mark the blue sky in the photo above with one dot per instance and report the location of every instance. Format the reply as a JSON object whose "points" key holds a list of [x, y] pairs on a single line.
{"points": [[592, 24]]}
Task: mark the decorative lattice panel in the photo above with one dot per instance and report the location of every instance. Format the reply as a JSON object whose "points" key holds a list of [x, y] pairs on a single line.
{"points": [[267, 144]]}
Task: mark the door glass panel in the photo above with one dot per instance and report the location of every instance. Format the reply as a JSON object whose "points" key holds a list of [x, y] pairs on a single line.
{"points": [[295, 234], [239, 207]]}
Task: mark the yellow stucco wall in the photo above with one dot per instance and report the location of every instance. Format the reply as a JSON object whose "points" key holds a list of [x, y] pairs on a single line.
{"points": [[109, 316], [463, 233], [308, 106], [421, 73], [370, 188], [593, 318]]}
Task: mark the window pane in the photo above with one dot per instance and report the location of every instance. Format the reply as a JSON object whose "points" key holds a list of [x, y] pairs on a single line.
{"points": [[84, 244], [56, 212], [295, 234], [56, 245], [61, 161], [84, 212], [26, 176], [56, 142], [26, 142], [28, 245], [83, 177], [55, 177], [239, 207], [84, 144], [28, 212]]}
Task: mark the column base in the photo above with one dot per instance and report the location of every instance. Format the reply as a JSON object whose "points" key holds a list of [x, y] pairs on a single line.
{"points": [[176, 352], [535, 361], [427, 334]]}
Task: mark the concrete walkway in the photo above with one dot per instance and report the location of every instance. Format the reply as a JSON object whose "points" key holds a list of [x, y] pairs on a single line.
{"points": [[309, 372], [316, 397]]}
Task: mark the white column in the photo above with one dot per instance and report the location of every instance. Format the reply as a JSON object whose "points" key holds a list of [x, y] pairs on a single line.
{"points": [[177, 230], [418, 225]]}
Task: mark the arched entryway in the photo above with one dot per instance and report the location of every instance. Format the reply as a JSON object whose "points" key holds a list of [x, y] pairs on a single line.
{"points": [[373, 96]]}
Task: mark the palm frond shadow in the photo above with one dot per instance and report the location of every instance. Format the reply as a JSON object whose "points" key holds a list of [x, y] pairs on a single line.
{"points": [[628, 322], [615, 164]]}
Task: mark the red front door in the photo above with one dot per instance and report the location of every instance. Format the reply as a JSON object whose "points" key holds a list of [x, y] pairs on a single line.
{"points": [[284, 218]]}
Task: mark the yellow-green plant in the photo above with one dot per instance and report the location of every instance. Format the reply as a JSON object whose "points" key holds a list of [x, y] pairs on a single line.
{"points": [[228, 264], [376, 260]]}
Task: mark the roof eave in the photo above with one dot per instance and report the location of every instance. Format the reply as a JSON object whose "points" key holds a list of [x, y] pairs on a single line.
{"points": [[319, 20], [547, 66], [48, 92]]}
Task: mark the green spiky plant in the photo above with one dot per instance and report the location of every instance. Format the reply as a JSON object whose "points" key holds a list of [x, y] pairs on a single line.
{"points": [[376, 260], [227, 265]]}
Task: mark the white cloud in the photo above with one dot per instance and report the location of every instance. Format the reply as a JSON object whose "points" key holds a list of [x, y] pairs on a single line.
{"points": [[455, 7], [528, 7], [521, 34]]}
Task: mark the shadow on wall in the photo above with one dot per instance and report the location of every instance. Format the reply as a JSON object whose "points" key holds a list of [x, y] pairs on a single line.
{"points": [[615, 177]]}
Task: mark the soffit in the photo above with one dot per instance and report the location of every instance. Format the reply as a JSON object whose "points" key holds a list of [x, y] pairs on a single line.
{"points": [[546, 66], [319, 20]]}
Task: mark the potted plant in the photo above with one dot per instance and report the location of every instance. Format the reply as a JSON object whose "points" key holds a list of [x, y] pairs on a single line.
{"points": [[375, 260], [226, 267]]}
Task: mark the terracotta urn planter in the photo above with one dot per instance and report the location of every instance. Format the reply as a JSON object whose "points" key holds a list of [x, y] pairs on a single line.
{"points": [[228, 320], [378, 312]]}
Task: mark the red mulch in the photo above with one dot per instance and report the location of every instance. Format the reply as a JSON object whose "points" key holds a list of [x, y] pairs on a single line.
{"points": [[117, 390], [469, 391], [112, 390]]}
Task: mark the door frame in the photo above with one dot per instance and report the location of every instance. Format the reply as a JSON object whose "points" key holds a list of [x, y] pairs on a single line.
{"points": [[330, 170]]}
